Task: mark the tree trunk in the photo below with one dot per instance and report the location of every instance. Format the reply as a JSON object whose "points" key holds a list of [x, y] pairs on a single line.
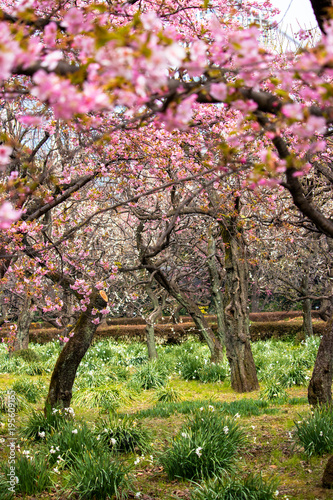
{"points": [[150, 323], [216, 287], [63, 376], [307, 320], [237, 336], [320, 387], [23, 325]]}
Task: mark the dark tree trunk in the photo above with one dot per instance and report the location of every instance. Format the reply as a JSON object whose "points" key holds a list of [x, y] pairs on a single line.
{"points": [[320, 387], [237, 337], [23, 326], [321, 10], [63, 376]]}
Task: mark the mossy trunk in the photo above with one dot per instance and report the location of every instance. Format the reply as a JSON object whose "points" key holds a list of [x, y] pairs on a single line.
{"points": [[23, 326], [320, 387], [63, 376], [236, 311]]}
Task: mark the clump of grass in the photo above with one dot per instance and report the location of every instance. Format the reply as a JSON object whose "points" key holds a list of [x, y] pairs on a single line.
{"points": [[98, 475], [207, 444], [150, 376], [274, 391], [212, 372], [32, 368], [29, 355], [30, 390], [315, 432], [38, 425], [168, 394], [32, 473], [295, 375], [253, 487], [191, 366], [106, 397], [123, 434], [71, 443], [19, 402]]}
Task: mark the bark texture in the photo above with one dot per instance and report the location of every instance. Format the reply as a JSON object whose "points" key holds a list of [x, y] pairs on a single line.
{"points": [[237, 337], [23, 325], [63, 376], [320, 387]]}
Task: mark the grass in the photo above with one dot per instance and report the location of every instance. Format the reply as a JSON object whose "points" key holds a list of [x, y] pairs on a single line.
{"points": [[272, 449]]}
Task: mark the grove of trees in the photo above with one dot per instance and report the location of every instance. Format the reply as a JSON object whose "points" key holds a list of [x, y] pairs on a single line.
{"points": [[157, 151]]}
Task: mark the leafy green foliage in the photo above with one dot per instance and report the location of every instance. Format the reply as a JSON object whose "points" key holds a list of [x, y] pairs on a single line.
{"points": [[28, 355], [97, 475], [190, 367], [72, 443], [274, 391], [212, 372], [123, 434], [150, 376], [315, 432], [32, 472], [208, 443], [37, 425], [106, 397], [167, 394], [32, 391], [253, 487], [20, 402]]}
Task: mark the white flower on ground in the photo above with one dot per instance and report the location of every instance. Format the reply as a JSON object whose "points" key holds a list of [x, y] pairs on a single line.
{"points": [[202, 408], [136, 461], [26, 452], [52, 450], [98, 437], [237, 415], [74, 431], [41, 434], [113, 441], [56, 470], [211, 408], [225, 430], [185, 435], [137, 494], [198, 451]]}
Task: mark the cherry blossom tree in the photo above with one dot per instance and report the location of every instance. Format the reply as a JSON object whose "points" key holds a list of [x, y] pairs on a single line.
{"points": [[101, 78]]}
